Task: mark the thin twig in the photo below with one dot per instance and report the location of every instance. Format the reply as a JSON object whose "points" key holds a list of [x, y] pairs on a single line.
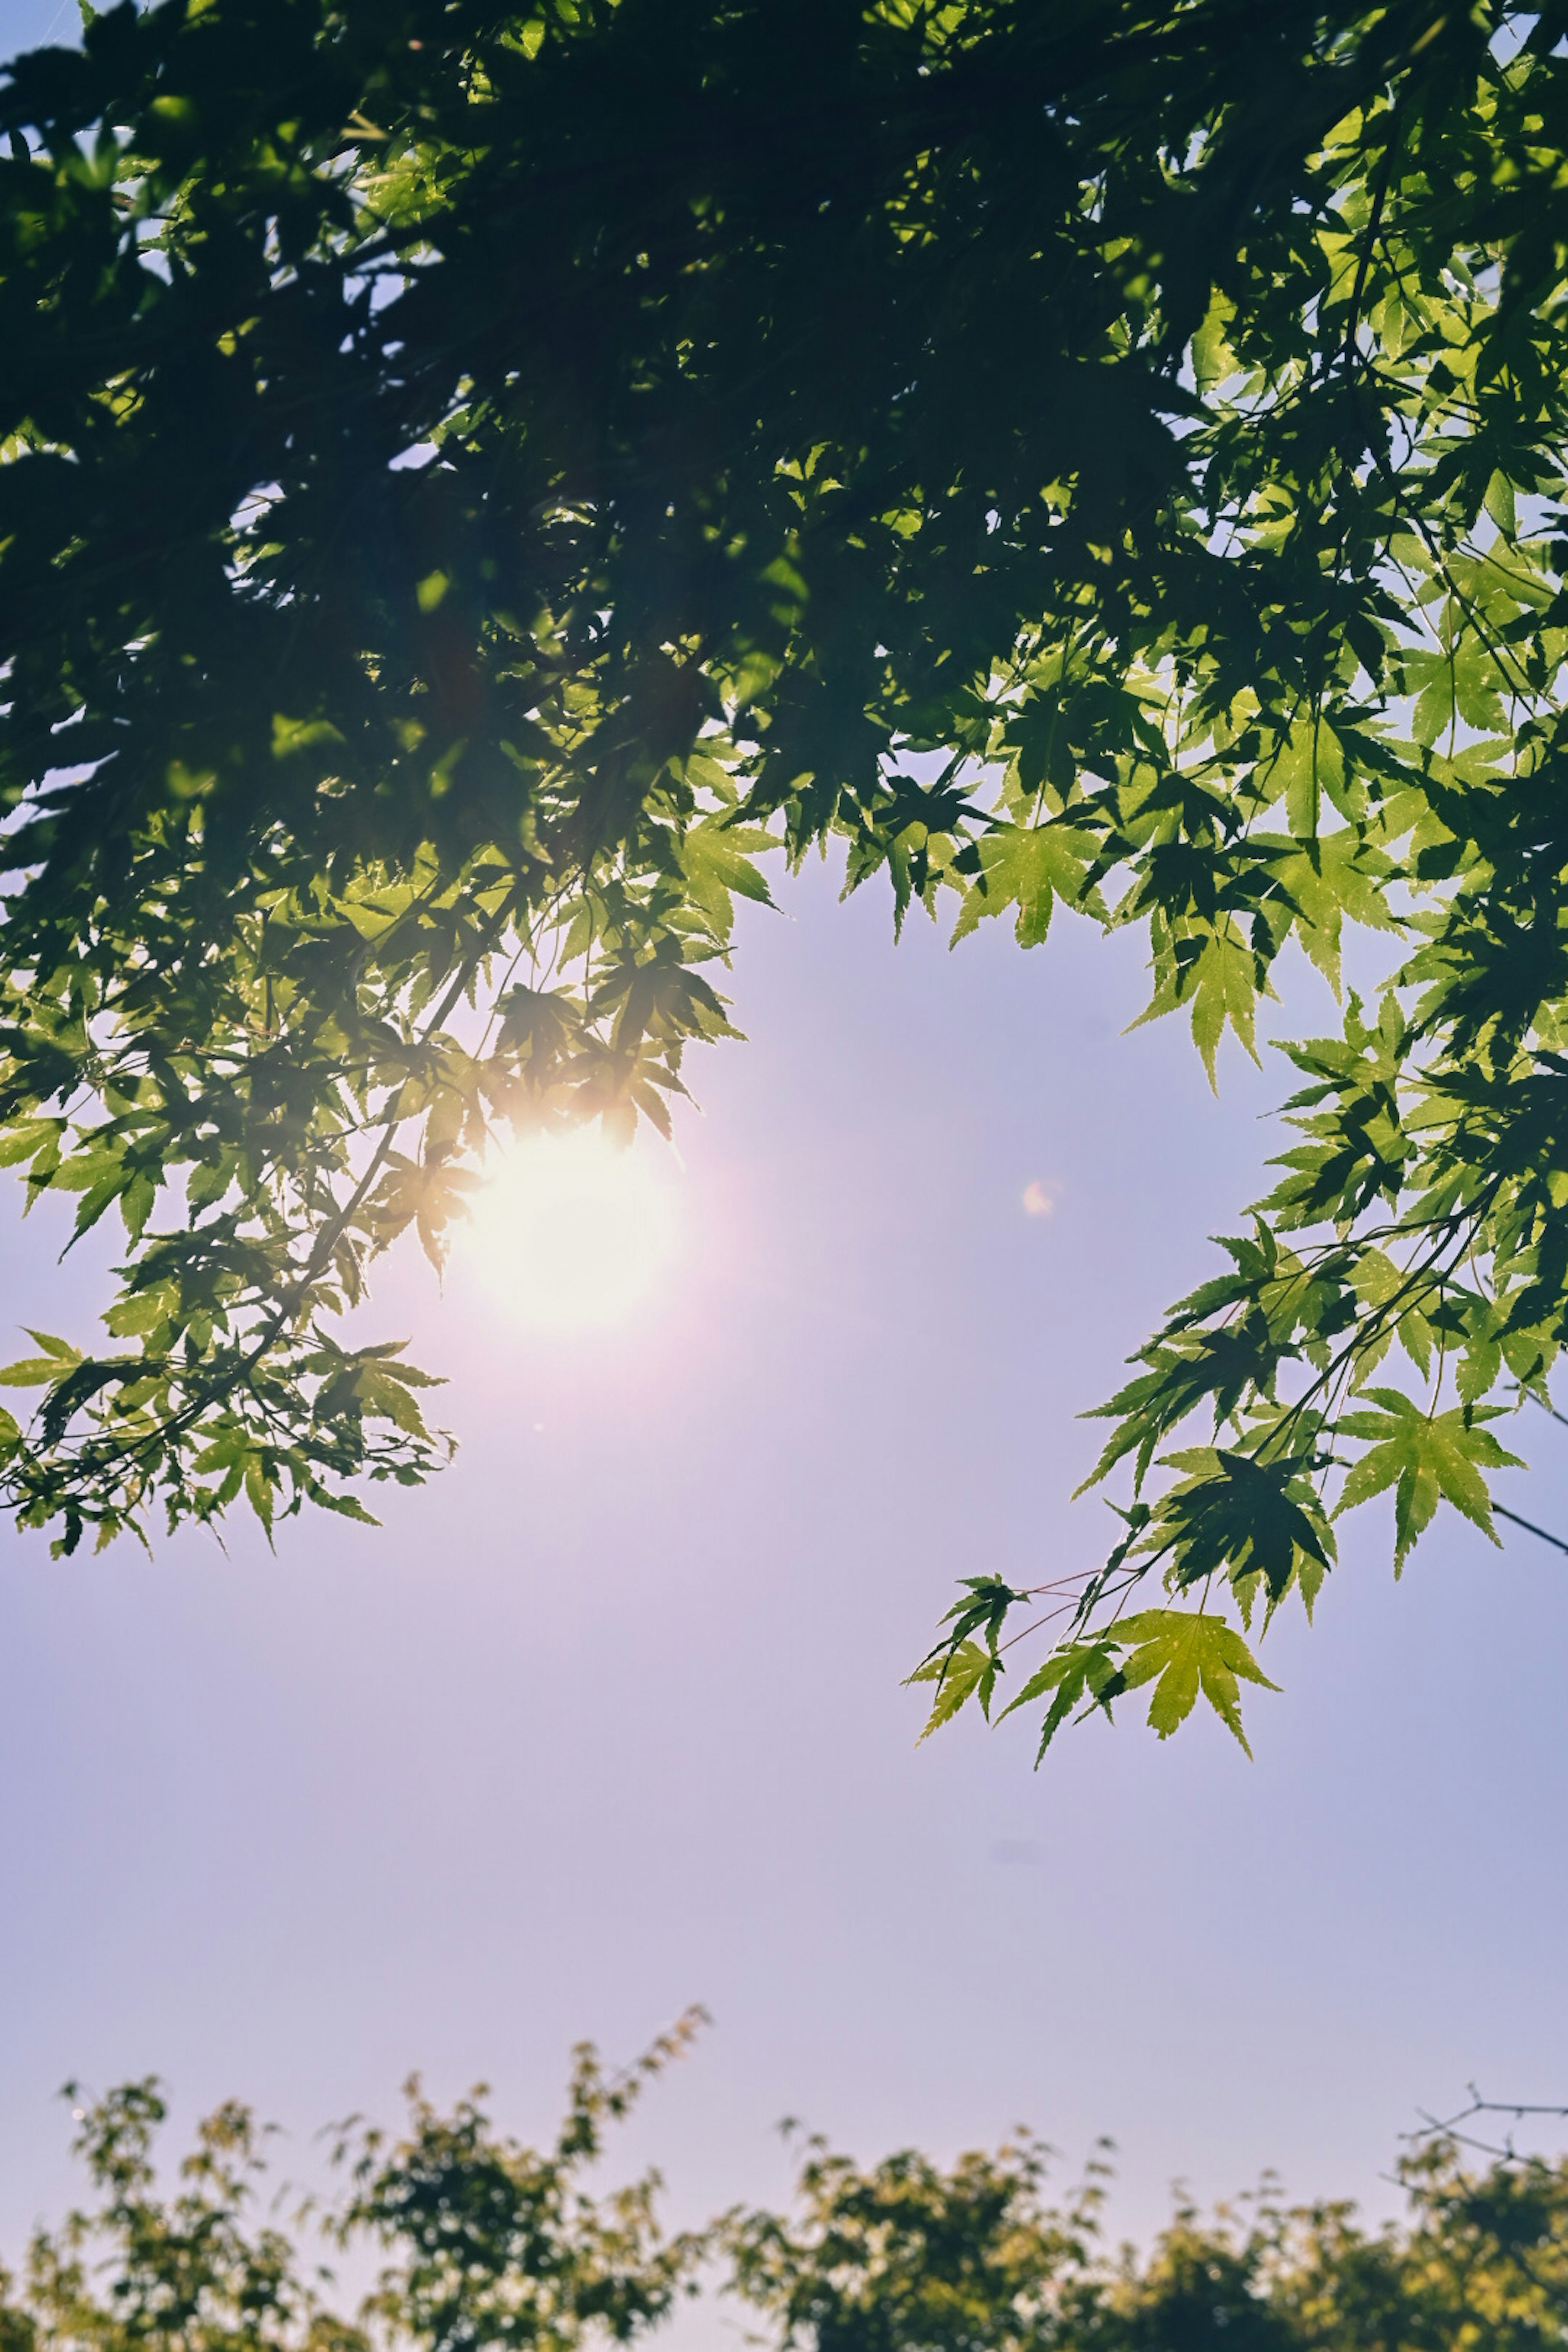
{"points": [[1530, 1527]]}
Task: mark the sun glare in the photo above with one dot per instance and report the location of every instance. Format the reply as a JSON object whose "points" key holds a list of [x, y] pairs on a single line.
{"points": [[568, 1230]]}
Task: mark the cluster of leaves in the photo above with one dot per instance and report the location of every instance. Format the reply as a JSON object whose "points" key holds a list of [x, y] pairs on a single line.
{"points": [[906, 2254], [192, 2269], [491, 2243], [479, 481], [906, 2257], [496, 2245], [1366, 725]]}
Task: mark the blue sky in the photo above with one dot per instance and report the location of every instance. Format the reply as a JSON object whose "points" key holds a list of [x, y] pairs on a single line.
{"points": [[609, 1719]]}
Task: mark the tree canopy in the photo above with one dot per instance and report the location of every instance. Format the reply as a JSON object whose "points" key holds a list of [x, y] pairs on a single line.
{"points": [[479, 481], [483, 2242]]}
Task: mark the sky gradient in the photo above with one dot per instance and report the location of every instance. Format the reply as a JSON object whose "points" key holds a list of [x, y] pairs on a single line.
{"points": [[609, 1719]]}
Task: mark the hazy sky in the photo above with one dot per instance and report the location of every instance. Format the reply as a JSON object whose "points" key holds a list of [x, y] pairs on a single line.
{"points": [[609, 1719]]}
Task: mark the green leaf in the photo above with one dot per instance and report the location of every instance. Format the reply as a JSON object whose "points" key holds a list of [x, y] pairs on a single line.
{"points": [[1215, 971], [1240, 1515], [36, 1372], [1027, 866], [1187, 1652], [1337, 877], [1427, 1458], [716, 857], [1213, 357], [1500, 505], [1077, 1671], [960, 1674], [1309, 769], [26, 1137], [60, 1350], [31, 1372]]}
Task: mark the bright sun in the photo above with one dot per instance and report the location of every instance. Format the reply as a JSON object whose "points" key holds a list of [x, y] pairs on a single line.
{"points": [[568, 1229]]}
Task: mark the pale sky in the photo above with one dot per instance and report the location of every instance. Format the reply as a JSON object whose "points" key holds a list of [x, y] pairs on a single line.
{"points": [[609, 1720]]}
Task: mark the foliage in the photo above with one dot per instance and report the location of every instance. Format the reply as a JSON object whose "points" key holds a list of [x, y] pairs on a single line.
{"points": [[499, 2245], [491, 2243], [904, 2257], [477, 478], [908, 2258], [193, 2268]]}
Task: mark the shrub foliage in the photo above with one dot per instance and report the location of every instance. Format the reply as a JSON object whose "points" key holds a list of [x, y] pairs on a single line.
{"points": [[486, 2242]]}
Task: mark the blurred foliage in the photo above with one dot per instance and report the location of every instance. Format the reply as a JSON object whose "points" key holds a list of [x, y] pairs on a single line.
{"points": [[480, 481], [905, 2257], [487, 2242]]}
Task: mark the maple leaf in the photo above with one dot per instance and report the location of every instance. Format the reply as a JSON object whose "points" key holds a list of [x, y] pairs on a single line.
{"points": [[1425, 1458], [1075, 1672], [1028, 867], [1183, 1651], [960, 1674]]}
